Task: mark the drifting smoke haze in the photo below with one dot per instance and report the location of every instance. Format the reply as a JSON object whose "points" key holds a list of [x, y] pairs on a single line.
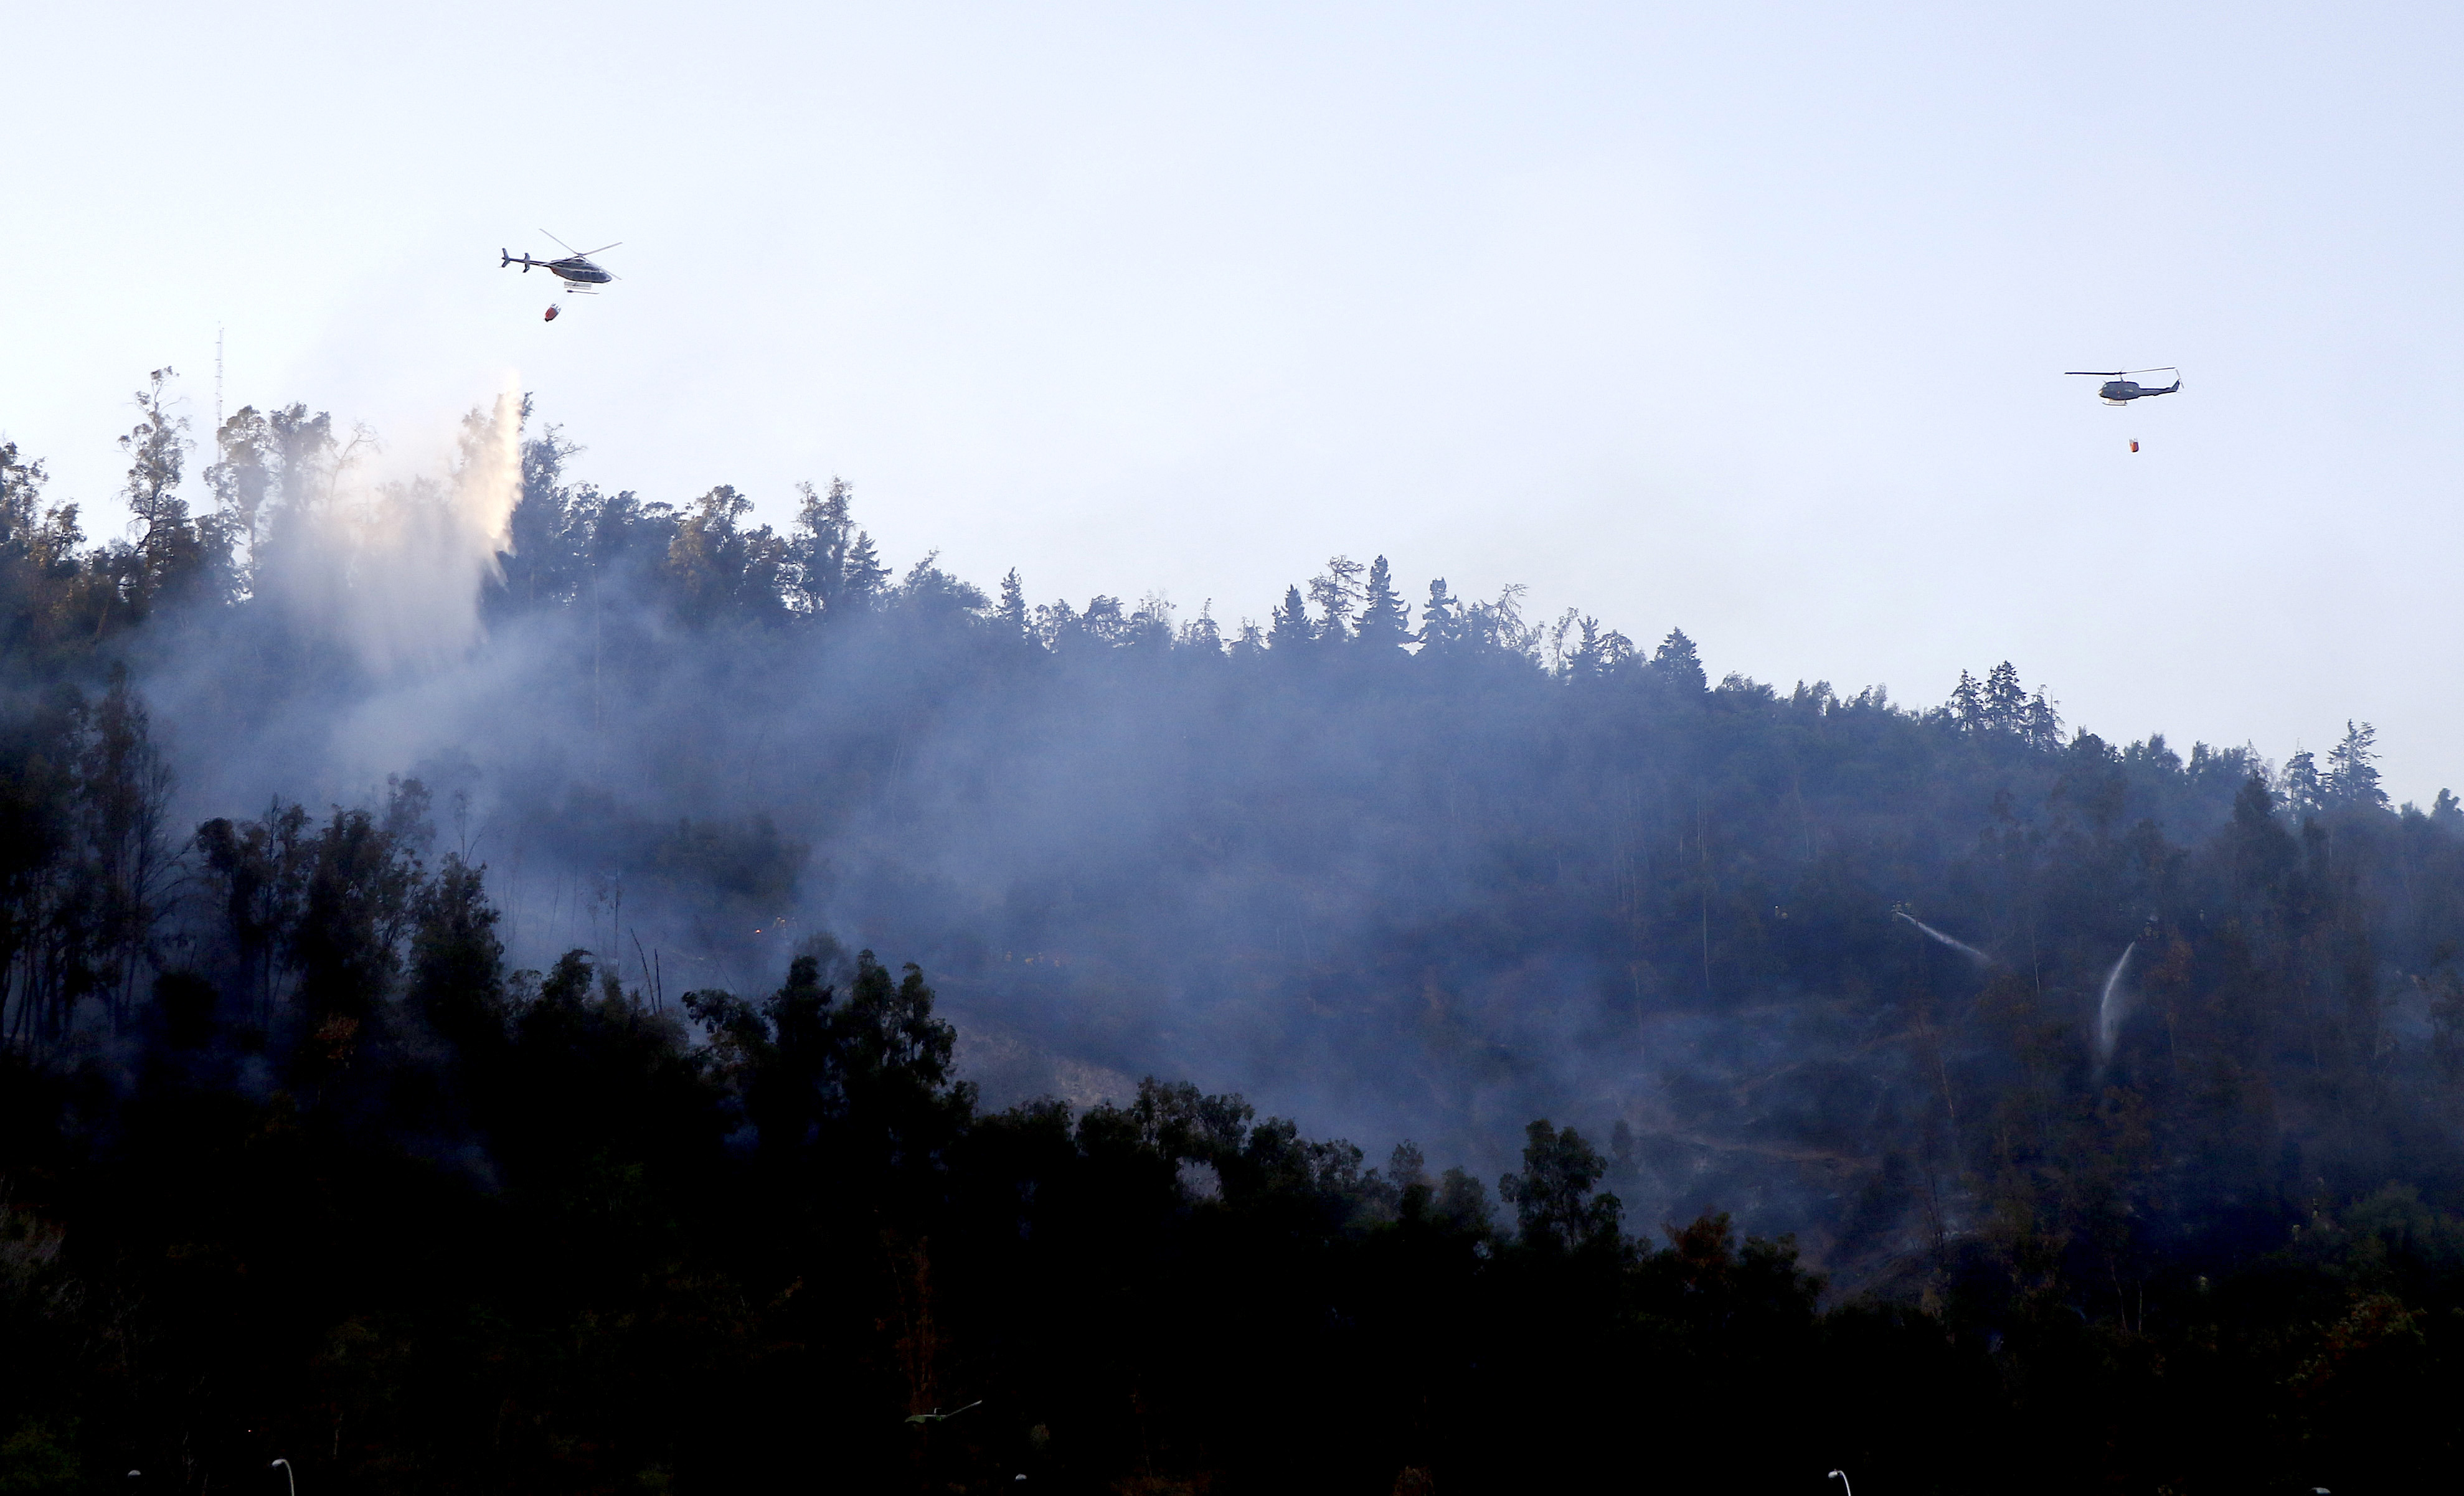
{"points": [[523, 872], [1530, 869]]}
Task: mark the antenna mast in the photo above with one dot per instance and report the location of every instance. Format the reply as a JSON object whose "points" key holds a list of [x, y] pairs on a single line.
{"points": [[218, 384]]}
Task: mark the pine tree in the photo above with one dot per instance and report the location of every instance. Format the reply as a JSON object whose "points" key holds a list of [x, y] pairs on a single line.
{"points": [[1290, 631], [1385, 622], [1966, 704], [2041, 726], [1012, 611], [2352, 777], [2447, 812], [1677, 665], [1336, 592], [1583, 661], [2302, 790], [1441, 620], [2006, 701], [861, 583]]}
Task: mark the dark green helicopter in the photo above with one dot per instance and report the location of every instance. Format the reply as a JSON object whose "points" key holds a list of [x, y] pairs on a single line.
{"points": [[2119, 389]]}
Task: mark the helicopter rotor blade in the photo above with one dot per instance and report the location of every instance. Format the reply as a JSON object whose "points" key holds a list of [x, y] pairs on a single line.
{"points": [[2161, 368], [602, 249], [2098, 373], [568, 248]]}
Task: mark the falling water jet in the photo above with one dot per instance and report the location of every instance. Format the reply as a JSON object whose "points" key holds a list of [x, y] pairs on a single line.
{"points": [[1956, 945], [2108, 1013]]}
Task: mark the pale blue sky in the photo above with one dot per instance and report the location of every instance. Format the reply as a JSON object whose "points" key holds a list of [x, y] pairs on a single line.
{"points": [[1745, 318]]}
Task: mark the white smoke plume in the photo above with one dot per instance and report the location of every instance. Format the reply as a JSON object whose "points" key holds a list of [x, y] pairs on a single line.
{"points": [[392, 566]]}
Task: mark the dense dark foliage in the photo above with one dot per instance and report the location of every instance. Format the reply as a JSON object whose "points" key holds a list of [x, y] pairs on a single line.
{"points": [[2112, 1098]]}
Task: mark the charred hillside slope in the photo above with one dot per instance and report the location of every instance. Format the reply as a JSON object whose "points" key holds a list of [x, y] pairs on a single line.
{"points": [[2041, 1040]]}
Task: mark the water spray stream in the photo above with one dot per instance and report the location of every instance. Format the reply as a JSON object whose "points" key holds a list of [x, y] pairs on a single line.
{"points": [[2108, 1012], [1956, 945], [396, 567]]}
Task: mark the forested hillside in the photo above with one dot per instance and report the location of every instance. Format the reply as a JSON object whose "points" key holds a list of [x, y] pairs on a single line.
{"points": [[438, 1051]]}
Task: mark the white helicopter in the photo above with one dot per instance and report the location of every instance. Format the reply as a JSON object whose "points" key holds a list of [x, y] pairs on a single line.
{"points": [[580, 275]]}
